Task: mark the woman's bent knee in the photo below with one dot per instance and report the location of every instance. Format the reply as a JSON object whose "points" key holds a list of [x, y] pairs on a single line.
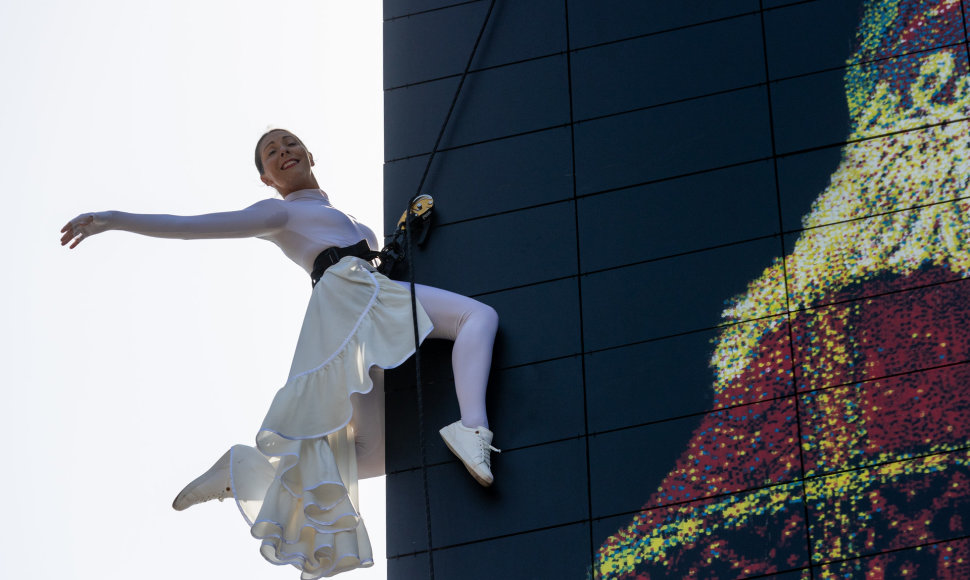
{"points": [[488, 319], [479, 320]]}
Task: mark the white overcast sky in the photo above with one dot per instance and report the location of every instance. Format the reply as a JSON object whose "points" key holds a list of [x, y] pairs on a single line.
{"points": [[130, 364]]}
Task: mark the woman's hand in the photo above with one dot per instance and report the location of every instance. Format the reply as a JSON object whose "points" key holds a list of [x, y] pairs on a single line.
{"points": [[82, 227]]}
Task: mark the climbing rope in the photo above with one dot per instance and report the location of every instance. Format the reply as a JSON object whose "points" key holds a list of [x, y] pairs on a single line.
{"points": [[414, 301]]}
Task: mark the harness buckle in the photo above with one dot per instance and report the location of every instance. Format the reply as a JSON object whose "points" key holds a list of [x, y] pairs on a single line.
{"points": [[332, 254]]}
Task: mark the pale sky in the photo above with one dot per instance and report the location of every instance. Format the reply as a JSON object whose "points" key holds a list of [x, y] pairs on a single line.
{"points": [[130, 364]]}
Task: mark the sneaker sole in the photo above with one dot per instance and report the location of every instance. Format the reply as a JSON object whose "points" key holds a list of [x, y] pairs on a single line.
{"points": [[180, 501], [481, 480]]}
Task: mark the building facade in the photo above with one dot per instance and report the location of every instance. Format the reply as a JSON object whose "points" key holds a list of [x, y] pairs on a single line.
{"points": [[728, 245]]}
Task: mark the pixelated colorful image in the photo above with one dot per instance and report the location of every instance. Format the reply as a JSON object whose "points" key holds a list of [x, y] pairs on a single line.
{"points": [[840, 437]]}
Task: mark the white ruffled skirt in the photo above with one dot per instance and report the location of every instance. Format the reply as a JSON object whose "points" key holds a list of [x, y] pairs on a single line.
{"points": [[297, 488]]}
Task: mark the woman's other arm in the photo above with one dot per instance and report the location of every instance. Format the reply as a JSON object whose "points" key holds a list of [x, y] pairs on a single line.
{"points": [[262, 218]]}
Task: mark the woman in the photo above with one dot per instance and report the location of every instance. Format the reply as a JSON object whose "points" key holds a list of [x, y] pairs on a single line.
{"points": [[297, 488]]}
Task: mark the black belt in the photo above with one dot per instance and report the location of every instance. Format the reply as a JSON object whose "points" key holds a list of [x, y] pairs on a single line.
{"points": [[332, 255]]}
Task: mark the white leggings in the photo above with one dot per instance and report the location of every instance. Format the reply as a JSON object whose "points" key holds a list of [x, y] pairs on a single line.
{"points": [[472, 326]]}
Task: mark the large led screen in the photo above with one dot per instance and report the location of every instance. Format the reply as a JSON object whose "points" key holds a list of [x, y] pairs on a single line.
{"points": [[840, 435]]}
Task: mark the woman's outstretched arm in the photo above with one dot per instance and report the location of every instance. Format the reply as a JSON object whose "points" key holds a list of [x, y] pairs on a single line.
{"points": [[260, 219]]}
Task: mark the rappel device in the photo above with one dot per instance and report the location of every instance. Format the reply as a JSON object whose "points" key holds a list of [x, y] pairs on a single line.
{"points": [[393, 256]]}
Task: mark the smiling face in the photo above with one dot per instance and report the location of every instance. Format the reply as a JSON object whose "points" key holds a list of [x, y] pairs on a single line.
{"points": [[285, 162]]}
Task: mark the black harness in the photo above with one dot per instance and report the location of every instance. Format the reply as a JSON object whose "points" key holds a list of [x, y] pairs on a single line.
{"points": [[332, 255], [392, 259]]}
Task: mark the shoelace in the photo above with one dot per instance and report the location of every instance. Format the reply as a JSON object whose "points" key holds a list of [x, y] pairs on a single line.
{"points": [[485, 447]]}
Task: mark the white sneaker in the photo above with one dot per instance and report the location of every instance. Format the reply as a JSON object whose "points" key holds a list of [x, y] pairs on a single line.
{"points": [[213, 484], [473, 445]]}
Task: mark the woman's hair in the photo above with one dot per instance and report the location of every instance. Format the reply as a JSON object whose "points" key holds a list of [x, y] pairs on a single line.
{"points": [[259, 159]]}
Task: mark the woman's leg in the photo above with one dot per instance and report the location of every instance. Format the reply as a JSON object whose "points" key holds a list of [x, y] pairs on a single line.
{"points": [[368, 422], [472, 326]]}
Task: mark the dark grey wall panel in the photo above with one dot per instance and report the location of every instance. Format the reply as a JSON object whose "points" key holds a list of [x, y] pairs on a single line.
{"points": [[805, 37], [598, 21], [676, 216], [509, 100], [403, 378], [800, 179], [620, 485], [779, 3], [797, 174], [538, 322], [914, 505], [850, 254], [543, 401], [430, 45], [664, 379], [515, 503], [922, 558], [554, 553], [466, 251], [672, 140], [397, 8], [438, 43], [648, 382], [412, 567], [669, 296], [811, 372], [440, 409], [495, 103], [668, 67], [747, 543], [809, 111], [522, 30], [816, 417], [486, 179], [810, 37], [407, 531], [413, 117]]}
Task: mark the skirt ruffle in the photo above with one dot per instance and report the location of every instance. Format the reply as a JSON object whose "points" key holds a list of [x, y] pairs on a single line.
{"points": [[297, 488]]}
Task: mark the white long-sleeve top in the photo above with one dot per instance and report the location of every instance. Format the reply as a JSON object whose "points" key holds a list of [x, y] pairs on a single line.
{"points": [[303, 224]]}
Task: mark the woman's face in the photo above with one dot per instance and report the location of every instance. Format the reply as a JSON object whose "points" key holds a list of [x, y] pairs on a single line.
{"points": [[286, 162]]}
